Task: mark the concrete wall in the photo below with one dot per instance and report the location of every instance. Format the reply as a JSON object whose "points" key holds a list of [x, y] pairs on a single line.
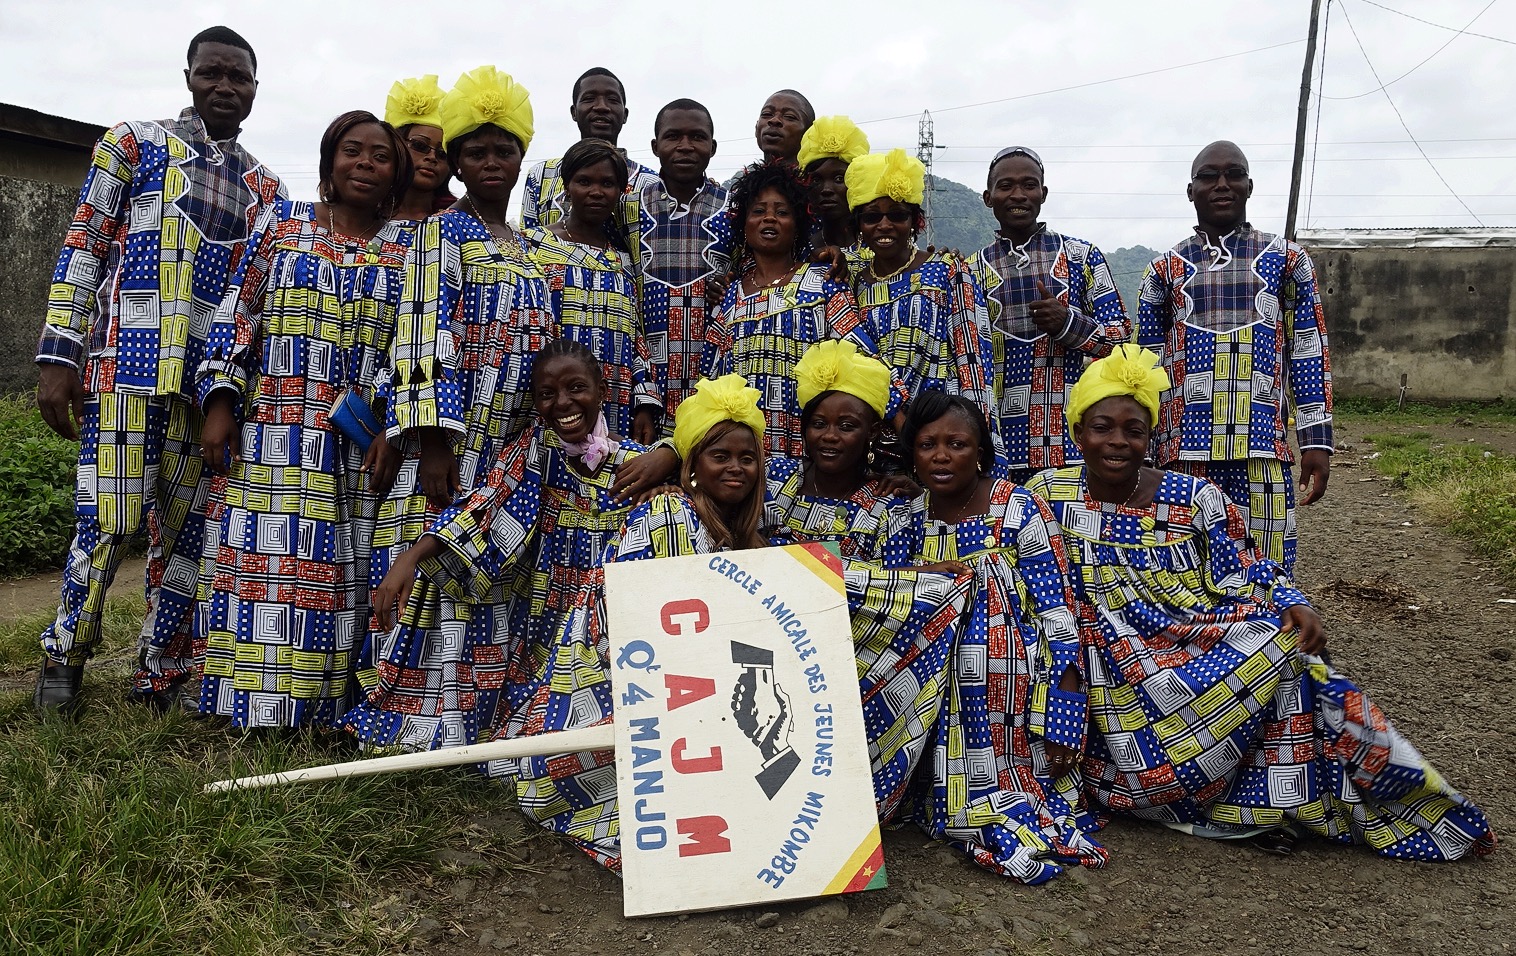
{"points": [[1444, 317], [33, 218]]}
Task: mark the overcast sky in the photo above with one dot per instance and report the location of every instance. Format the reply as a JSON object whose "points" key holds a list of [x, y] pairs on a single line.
{"points": [[1057, 76]]}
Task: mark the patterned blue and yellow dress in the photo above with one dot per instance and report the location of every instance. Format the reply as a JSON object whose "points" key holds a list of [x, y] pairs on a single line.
{"points": [[1204, 714], [529, 541], [593, 292], [989, 791], [932, 329], [761, 336], [903, 621], [290, 530], [474, 314]]}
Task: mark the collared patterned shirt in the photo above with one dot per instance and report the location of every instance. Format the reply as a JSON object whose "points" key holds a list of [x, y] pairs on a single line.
{"points": [[545, 202], [1242, 335], [1035, 371], [680, 249], [163, 219]]}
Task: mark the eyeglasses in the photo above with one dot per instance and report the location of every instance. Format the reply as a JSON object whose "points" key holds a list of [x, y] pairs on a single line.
{"points": [[422, 148], [1209, 177], [1018, 151], [873, 216]]}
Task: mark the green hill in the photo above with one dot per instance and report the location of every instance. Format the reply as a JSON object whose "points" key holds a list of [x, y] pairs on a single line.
{"points": [[1127, 266], [958, 219]]}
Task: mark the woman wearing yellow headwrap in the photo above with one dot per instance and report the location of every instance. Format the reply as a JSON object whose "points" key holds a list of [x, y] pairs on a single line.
{"points": [[474, 313], [1175, 610], [922, 308], [832, 493], [826, 150], [414, 108]]}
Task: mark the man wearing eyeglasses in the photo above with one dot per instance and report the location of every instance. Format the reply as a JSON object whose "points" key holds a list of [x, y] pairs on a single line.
{"points": [[1052, 303], [1235, 316]]}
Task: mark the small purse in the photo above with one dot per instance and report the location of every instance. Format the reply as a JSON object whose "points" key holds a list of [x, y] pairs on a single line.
{"points": [[353, 417]]}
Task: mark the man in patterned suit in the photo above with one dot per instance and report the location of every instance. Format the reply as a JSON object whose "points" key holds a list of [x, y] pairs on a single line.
{"points": [[1235, 316], [1052, 305], [163, 217]]}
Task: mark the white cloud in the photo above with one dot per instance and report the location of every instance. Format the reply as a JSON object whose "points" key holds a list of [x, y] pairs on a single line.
{"points": [[1117, 152]]}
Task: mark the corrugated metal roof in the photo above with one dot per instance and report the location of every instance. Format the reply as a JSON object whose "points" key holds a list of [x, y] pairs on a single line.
{"points": [[1474, 237]]}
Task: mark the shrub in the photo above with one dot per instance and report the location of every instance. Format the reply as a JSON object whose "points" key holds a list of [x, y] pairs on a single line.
{"points": [[36, 490]]}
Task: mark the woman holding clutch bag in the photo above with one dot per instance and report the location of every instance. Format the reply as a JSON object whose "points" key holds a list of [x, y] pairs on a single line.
{"points": [[289, 531]]}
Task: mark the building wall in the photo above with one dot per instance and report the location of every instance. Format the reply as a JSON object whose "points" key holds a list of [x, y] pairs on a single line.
{"points": [[63, 164], [1443, 317], [33, 218]]}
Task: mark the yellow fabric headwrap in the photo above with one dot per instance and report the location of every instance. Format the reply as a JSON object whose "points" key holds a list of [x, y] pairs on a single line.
{"points": [[832, 137], [894, 174], [835, 366], [1130, 370], [417, 100], [485, 95], [726, 399]]}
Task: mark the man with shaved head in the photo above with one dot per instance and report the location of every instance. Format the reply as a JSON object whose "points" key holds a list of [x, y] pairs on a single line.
{"points": [[1233, 312]]}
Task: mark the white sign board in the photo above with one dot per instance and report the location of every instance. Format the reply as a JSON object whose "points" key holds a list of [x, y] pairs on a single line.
{"points": [[742, 767]]}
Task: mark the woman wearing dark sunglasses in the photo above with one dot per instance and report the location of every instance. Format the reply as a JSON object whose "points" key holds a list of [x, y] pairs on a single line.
{"points": [[414, 109], [921, 307]]}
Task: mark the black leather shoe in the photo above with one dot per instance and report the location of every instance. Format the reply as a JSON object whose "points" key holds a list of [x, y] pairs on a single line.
{"points": [[57, 688], [164, 702]]}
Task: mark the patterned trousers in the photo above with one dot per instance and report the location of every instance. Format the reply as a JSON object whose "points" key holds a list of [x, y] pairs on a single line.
{"points": [[1263, 488], [139, 461]]}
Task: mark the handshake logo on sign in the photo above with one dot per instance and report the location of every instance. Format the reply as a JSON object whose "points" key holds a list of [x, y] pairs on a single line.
{"points": [[762, 711]]}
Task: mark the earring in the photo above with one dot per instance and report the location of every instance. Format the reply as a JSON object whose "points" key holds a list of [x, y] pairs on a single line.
{"points": [[979, 467], [693, 483], [871, 459]]}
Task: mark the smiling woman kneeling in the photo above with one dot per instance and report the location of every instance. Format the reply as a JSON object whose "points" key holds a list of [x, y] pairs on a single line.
{"points": [[1210, 712]]}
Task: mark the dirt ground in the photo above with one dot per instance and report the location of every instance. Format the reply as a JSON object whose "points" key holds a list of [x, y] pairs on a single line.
{"points": [[1411, 616]]}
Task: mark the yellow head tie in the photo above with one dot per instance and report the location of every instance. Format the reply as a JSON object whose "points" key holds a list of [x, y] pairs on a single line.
{"points": [[1130, 370], [835, 366], [416, 101], [726, 399], [895, 174], [485, 95], [832, 137]]}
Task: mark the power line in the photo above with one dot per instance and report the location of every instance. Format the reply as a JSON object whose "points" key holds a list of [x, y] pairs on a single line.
{"points": [[1440, 26], [1414, 68], [1332, 142], [1349, 21], [1080, 86], [1253, 162]]}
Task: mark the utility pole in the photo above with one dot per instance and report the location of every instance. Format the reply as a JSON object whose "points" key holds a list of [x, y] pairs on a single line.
{"points": [[926, 145], [1300, 123]]}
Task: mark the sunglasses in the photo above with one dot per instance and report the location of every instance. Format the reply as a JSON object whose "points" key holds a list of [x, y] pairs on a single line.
{"points": [[1017, 151], [1233, 174], [421, 148], [873, 216]]}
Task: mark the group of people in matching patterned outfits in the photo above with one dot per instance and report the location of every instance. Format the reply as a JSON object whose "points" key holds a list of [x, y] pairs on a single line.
{"points": [[1068, 536]]}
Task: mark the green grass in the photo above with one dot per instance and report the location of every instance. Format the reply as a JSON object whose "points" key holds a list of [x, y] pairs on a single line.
{"points": [[1468, 487], [1497, 411], [36, 489], [107, 844], [18, 636]]}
